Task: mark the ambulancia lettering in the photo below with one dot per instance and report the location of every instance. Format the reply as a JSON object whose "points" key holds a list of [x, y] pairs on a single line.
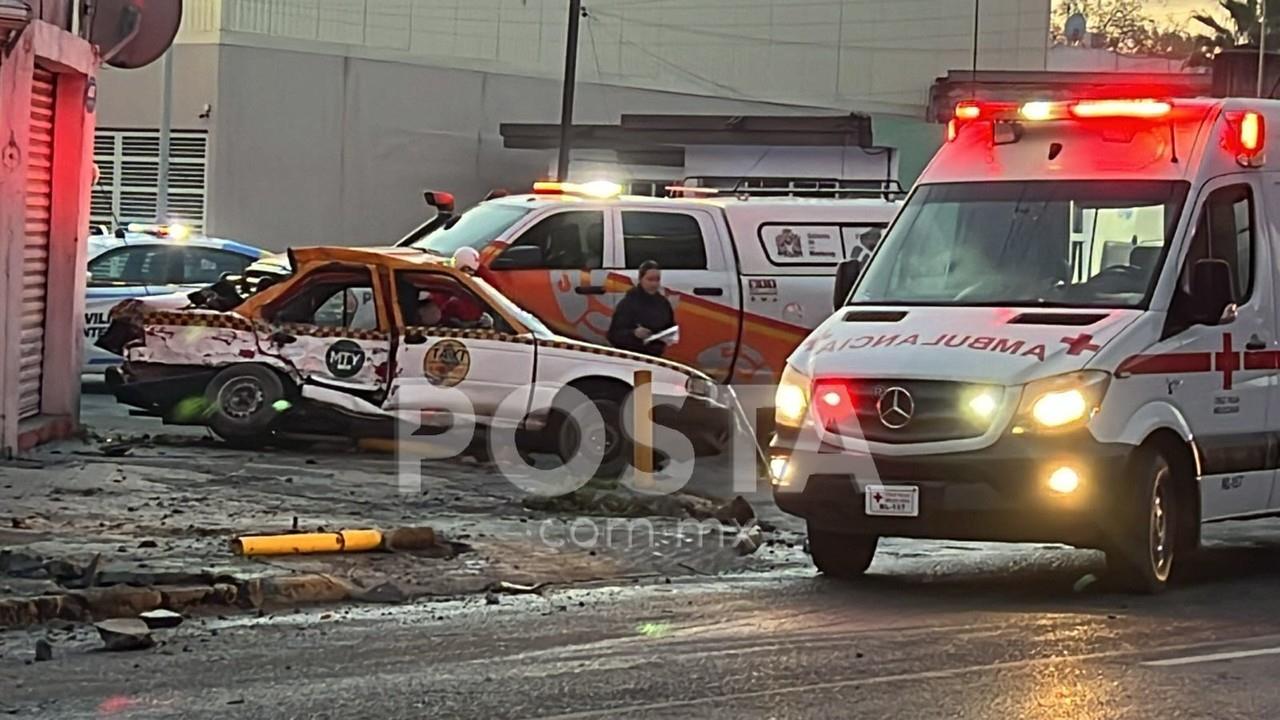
{"points": [[981, 343]]}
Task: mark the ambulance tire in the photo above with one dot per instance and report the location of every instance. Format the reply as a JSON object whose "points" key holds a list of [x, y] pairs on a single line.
{"points": [[241, 401], [841, 556], [1145, 552], [608, 401]]}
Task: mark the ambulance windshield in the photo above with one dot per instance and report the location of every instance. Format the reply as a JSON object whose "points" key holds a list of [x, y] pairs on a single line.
{"points": [[475, 228], [1055, 244]]}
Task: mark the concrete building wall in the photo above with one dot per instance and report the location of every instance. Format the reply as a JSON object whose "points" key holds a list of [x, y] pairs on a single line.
{"points": [[884, 52], [328, 117]]}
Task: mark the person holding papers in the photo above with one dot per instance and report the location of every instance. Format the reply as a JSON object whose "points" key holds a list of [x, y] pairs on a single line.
{"points": [[644, 321]]}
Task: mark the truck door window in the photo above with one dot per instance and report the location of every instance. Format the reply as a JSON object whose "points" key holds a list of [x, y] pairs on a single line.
{"points": [[342, 299], [674, 240], [568, 240], [1224, 231]]}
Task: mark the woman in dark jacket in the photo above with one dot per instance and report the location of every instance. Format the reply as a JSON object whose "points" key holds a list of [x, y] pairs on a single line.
{"points": [[643, 313]]}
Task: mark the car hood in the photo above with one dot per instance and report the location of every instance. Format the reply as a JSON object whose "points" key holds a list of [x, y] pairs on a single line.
{"points": [[1009, 346]]}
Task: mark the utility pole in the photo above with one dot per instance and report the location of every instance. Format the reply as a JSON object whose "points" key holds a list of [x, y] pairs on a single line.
{"points": [[1262, 43], [166, 121], [570, 83]]}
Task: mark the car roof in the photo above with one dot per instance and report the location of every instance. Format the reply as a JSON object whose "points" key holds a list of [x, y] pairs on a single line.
{"points": [[99, 244], [716, 201], [389, 257]]}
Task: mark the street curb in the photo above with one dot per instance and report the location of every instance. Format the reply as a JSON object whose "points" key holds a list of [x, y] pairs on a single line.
{"points": [[97, 604]]}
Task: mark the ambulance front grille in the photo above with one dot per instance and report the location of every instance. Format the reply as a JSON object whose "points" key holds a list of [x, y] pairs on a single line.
{"points": [[936, 410]]}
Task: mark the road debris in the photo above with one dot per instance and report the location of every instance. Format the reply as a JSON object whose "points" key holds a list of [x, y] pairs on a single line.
{"points": [[161, 619], [307, 543], [124, 634], [510, 588], [44, 651], [737, 511]]}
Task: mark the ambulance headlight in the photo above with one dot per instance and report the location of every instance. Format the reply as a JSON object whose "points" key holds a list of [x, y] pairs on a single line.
{"points": [[791, 400], [1061, 402]]}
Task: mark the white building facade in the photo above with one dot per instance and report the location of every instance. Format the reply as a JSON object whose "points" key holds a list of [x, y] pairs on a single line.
{"points": [[320, 121]]}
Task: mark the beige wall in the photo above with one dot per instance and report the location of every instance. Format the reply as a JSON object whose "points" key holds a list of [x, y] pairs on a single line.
{"points": [[310, 148]]}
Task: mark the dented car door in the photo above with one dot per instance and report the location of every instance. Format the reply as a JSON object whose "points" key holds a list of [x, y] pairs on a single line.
{"points": [[331, 328]]}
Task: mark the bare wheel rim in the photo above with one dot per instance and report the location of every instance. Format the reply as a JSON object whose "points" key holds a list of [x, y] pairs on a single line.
{"points": [[240, 398], [1161, 541]]}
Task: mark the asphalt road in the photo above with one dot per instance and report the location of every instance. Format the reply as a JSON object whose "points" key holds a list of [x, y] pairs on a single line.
{"points": [[938, 630], [1021, 644]]}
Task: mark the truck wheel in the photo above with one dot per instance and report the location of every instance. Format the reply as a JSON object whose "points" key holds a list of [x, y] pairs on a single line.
{"points": [[1143, 556], [839, 555], [603, 435], [241, 402]]}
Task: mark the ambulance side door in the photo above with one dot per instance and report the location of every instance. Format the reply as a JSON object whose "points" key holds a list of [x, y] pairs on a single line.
{"points": [[1225, 395], [475, 352], [699, 276]]}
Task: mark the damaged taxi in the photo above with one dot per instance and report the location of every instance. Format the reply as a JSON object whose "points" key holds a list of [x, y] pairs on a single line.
{"points": [[358, 339]]}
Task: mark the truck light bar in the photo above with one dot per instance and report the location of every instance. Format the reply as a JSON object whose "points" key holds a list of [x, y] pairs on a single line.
{"points": [[595, 189]]}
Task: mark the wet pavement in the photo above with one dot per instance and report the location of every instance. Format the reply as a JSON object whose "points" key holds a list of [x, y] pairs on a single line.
{"points": [[937, 630]]}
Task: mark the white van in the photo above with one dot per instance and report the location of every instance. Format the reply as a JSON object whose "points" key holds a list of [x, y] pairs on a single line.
{"points": [[1069, 334], [749, 273]]}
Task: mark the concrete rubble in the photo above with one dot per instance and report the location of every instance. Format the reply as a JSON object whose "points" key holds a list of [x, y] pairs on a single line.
{"points": [[88, 533]]}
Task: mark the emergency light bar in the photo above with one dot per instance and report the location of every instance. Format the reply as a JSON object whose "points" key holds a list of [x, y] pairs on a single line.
{"points": [[596, 188], [1041, 110], [177, 231]]}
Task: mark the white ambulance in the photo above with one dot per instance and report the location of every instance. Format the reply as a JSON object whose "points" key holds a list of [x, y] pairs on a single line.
{"points": [[1069, 334]]}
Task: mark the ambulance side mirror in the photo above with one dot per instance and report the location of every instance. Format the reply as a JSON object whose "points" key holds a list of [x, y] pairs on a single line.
{"points": [[1212, 293], [846, 275]]}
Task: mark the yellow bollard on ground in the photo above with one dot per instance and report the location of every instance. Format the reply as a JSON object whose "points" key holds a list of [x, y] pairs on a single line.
{"points": [[644, 428], [307, 543]]}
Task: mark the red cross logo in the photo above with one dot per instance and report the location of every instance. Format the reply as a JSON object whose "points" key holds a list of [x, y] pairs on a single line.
{"points": [[878, 497], [1080, 343], [1227, 361]]}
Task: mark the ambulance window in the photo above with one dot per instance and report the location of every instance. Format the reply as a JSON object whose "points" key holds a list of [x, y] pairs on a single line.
{"points": [[674, 240], [1224, 231], [331, 299], [567, 240]]}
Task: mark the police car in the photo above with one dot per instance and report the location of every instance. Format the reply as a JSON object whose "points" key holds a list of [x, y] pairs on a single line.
{"points": [[147, 261], [312, 354], [1069, 334]]}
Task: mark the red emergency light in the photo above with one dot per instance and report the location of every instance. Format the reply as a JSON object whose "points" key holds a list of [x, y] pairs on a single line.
{"points": [[1246, 137], [1146, 108], [1048, 110], [833, 401]]}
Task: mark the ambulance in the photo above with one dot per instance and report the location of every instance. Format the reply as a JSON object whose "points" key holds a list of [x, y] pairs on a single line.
{"points": [[1069, 334], [749, 272]]}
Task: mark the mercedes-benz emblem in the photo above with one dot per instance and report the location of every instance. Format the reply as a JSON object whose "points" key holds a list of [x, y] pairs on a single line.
{"points": [[895, 407]]}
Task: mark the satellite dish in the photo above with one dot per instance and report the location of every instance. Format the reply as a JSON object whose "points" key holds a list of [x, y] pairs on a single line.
{"points": [[1075, 29], [133, 33]]}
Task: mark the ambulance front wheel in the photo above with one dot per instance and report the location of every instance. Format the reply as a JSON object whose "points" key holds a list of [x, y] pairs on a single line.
{"points": [[839, 555], [242, 404], [1142, 557]]}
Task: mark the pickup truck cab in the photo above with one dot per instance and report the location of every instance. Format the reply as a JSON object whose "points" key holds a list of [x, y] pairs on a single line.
{"points": [[1069, 334], [749, 276]]}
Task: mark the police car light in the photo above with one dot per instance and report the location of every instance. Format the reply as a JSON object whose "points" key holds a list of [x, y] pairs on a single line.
{"points": [[178, 231]]}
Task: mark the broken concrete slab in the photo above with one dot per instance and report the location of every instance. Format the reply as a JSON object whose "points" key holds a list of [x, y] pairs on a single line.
{"points": [[124, 634]]}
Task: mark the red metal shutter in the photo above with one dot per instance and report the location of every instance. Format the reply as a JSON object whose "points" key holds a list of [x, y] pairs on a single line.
{"points": [[35, 255]]}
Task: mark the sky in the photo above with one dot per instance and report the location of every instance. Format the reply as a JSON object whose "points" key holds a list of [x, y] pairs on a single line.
{"points": [[1177, 12]]}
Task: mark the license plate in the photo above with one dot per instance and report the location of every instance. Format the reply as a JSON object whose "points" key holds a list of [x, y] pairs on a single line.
{"points": [[893, 500]]}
